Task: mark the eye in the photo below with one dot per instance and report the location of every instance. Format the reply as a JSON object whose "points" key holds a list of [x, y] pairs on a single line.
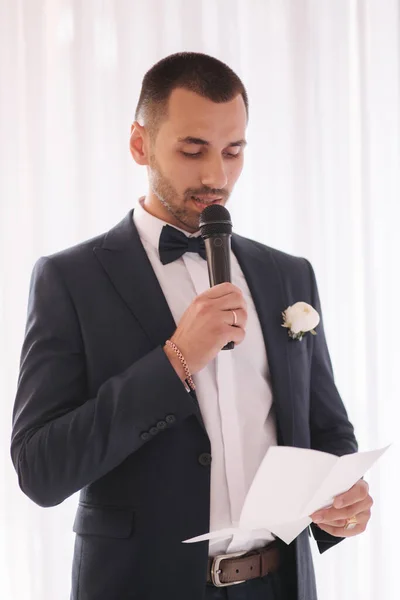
{"points": [[190, 154], [227, 154]]}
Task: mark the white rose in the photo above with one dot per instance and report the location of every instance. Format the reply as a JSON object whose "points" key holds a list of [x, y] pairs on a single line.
{"points": [[301, 317]]}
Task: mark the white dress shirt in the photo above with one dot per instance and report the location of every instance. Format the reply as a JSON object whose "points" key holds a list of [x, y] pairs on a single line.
{"points": [[233, 390]]}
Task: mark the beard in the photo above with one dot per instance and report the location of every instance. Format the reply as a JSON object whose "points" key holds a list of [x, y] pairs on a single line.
{"points": [[179, 207]]}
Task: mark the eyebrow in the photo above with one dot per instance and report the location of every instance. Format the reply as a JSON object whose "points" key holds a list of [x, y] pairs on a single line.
{"points": [[193, 140]]}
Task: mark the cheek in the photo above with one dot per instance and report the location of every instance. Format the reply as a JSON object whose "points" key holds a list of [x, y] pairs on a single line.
{"points": [[173, 172], [235, 170], [184, 175]]}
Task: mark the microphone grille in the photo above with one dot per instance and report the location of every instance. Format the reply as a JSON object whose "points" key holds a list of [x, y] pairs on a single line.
{"points": [[215, 219]]}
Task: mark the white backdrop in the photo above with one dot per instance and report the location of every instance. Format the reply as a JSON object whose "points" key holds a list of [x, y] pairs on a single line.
{"points": [[321, 180]]}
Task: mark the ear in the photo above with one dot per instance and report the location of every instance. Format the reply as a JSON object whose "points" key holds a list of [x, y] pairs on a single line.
{"points": [[138, 145]]}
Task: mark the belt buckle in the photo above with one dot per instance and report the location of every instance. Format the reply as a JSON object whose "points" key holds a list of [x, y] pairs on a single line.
{"points": [[215, 570]]}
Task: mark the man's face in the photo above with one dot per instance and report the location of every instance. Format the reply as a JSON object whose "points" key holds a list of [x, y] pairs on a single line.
{"points": [[197, 156]]}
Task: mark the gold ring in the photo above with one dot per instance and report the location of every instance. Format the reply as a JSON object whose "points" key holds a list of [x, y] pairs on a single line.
{"points": [[351, 523], [234, 318]]}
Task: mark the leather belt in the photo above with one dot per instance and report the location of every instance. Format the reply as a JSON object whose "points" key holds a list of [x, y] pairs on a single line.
{"points": [[238, 567]]}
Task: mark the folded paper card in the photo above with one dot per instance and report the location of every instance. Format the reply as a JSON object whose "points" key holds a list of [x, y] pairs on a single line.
{"points": [[291, 484]]}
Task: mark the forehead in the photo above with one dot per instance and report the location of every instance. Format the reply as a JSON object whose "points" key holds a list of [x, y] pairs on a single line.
{"points": [[191, 114]]}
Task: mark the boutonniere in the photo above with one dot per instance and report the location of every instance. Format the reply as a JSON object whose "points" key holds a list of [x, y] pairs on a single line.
{"points": [[300, 318]]}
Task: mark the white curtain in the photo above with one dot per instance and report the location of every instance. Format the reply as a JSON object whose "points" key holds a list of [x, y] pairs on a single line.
{"points": [[321, 180]]}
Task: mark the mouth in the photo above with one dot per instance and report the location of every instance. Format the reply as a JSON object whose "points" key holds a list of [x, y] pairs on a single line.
{"points": [[203, 201]]}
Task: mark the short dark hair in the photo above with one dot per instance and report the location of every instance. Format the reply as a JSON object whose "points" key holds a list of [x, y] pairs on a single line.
{"points": [[194, 71]]}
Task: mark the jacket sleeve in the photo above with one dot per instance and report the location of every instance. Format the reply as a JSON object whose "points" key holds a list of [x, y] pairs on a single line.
{"points": [[331, 430], [61, 439]]}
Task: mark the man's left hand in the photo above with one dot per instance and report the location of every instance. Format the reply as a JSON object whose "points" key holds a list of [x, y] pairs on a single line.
{"points": [[356, 502]]}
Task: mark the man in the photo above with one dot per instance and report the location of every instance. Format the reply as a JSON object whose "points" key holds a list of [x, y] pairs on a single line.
{"points": [[124, 392]]}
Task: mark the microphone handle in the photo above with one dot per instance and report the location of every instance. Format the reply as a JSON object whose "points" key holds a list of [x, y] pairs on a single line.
{"points": [[218, 248]]}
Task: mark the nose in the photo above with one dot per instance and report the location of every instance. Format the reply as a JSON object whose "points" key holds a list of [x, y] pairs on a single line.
{"points": [[214, 175]]}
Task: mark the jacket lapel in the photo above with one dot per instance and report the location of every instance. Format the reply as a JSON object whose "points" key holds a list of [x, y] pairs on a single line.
{"points": [[126, 263], [266, 287]]}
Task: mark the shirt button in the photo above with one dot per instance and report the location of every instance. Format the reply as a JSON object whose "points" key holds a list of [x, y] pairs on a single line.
{"points": [[154, 431], [170, 419], [145, 436], [161, 424], [205, 459]]}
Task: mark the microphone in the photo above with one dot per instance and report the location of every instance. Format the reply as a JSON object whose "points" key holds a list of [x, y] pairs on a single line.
{"points": [[216, 231]]}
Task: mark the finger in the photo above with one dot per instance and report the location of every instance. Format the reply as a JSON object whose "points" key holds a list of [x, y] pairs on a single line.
{"points": [[233, 334], [334, 514], [220, 290], [338, 524], [358, 492], [230, 301], [361, 518], [336, 531], [241, 317]]}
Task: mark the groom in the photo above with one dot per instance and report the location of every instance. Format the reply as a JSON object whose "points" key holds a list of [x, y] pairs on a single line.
{"points": [[124, 392]]}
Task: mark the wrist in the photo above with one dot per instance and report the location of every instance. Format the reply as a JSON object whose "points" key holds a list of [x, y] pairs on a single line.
{"points": [[175, 362], [187, 376]]}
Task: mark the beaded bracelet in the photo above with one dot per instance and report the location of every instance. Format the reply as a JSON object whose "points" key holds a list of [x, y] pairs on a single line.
{"points": [[183, 361]]}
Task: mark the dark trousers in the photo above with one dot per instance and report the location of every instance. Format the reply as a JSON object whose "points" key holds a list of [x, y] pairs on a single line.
{"points": [[281, 585]]}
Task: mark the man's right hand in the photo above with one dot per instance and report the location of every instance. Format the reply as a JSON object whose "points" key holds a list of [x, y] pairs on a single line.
{"points": [[206, 327]]}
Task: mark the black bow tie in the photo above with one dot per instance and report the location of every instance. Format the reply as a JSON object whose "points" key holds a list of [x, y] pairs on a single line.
{"points": [[174, 243]]}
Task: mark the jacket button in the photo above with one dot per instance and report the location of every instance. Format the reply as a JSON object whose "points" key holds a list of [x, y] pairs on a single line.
{"points": [[205, 459], [154, 430], [170, 419], [161, 424], [145, 436]]}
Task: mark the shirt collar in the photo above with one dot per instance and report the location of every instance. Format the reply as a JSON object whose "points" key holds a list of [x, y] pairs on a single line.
{"points": [[149, 226]]}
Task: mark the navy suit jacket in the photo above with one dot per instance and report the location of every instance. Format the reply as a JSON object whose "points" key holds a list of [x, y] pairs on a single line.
{"points": [[100, 409]]}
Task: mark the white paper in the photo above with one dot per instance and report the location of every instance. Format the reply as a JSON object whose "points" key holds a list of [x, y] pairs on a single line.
{"points": [[291, 484]]}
